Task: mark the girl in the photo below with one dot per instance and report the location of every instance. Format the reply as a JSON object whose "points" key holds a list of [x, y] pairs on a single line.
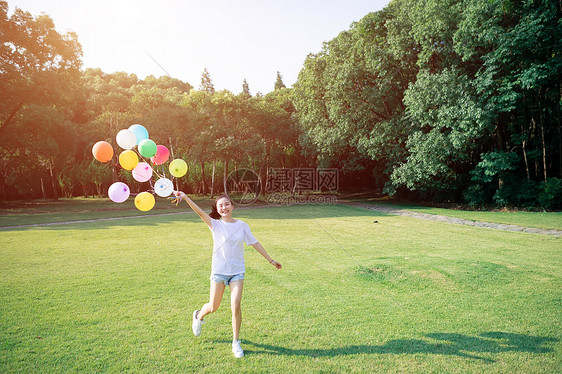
{"points": [[228, 266]]}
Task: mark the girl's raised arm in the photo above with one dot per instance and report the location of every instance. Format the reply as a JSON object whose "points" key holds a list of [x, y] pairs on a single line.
{"points": [[204, 216]]}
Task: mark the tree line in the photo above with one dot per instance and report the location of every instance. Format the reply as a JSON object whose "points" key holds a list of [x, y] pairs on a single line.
{"points": [[431, 99], [444, 100], [52, 112]]}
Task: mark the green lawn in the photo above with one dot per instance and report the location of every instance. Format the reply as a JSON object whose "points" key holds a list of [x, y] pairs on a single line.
{"points": [[544, 220], [401, 295]]}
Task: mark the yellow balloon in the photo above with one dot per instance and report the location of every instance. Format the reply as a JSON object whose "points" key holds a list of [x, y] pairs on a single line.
{"points": [[128, 159], [178, 168], [144, 201]]}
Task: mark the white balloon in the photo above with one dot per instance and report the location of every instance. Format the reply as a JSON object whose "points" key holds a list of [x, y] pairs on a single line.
{"points": [[126, 139], [163, 187]]}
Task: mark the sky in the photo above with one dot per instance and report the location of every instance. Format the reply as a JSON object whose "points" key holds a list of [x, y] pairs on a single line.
{"points": [[233, 39]]}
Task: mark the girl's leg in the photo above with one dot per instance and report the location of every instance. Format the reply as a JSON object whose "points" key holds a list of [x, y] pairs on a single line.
{"points": [[215, 298], [235, 302]]}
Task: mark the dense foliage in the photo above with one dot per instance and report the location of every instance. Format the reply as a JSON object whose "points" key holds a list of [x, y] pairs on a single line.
{"points": [[444, 99], [435, 99], [51, 113]]}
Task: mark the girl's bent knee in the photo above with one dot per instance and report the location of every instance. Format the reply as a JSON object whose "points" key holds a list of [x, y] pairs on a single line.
{"points": [[211, 308]]}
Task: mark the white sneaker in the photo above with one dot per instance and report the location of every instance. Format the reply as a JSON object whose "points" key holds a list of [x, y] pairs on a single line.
{"points": [[236, 349], [196, 324]]}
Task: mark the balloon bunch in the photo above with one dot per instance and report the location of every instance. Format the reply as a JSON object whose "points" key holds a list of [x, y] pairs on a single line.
{"points": [[135, 161]]}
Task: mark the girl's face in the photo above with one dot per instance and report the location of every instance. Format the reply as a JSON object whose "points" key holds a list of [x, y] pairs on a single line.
{"points": [[224, 207]]}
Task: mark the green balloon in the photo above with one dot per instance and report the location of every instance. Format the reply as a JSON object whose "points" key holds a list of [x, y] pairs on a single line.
{"points": [[147, 148]]}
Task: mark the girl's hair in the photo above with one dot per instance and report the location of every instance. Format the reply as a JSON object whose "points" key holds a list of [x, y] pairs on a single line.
{"points": [[214, 212]]}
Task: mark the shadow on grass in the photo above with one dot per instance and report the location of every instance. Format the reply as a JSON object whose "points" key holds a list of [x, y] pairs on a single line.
{"points": [[465, 346], [91, 220]]}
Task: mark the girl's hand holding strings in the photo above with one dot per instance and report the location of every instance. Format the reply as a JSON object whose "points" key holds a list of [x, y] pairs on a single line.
{"points": [[179, 195]]}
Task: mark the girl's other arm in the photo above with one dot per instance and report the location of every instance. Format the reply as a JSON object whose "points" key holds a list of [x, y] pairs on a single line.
{"points": [[263, 252]]}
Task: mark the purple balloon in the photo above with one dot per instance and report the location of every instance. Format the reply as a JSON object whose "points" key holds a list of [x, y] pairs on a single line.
{"points": [[119, 192]]}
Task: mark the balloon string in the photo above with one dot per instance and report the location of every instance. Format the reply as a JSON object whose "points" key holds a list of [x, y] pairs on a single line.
{"points": [[141, 156], [152, 190], [156, 172], [147, 161], [114, 164], [138, 153]]}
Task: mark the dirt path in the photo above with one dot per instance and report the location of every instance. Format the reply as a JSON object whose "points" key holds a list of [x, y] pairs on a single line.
{"points": [[377, 208], [88, 220], [107, 219], [446, 219]]}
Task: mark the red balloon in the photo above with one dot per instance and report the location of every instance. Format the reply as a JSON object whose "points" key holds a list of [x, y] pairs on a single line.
{"points": [[102, 151], [161, 156]]}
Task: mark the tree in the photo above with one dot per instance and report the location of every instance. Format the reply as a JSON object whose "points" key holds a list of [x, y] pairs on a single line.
{"points": [[348, 97], [206, 82], [446, 119], [279, 82], [423, 90], [36, 62], [515, 52], [39, 71], [166, 82], [200, 145], [274, 121], [246, 89]]}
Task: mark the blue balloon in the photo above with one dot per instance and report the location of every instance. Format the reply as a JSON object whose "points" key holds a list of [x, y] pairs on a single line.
{"points": [[140, 132]]}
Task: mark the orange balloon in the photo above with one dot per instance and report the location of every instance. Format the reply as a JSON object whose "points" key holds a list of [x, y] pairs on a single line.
{"points": [[102, 151]]}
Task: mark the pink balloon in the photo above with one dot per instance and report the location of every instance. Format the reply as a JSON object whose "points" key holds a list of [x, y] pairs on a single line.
{"points": [[161, 156], [142, 172]]}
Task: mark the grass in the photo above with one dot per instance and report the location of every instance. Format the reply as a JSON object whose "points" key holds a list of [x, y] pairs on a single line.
{"points": [[76, 209], [403, 295], [542, 220]]}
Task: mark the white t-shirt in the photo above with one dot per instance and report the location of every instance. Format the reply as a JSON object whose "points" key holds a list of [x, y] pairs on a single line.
{"points": [[228, 246]]}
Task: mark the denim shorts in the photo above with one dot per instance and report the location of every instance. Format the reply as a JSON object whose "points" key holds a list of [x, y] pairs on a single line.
{"points": [[226, 279]]}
